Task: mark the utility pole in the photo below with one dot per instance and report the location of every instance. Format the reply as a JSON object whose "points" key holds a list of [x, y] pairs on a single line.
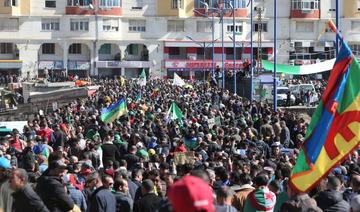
{"points": [[259, 11]]}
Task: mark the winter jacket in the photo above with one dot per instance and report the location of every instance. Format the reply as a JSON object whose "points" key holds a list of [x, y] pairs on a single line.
{"points": [[124, 203], [52, 191], [332, 200], [241, 192], [102, 200], [27, 200]]}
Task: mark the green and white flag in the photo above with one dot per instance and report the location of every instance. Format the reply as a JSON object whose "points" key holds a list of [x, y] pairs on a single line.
{"points": [[300, 70], [142, 78], [174, 112]]}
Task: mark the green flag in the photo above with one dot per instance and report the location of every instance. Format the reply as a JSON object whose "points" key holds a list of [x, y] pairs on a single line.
{"points": [[142, 78], [174, 112]]}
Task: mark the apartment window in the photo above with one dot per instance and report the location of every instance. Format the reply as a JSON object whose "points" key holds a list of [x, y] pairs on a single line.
{"points": [[137, 25], [111, 25], [105, 49], [238, 28], [304, 26], [174, 51], [138, 5], [133, 49], [50, 24], [211, 3], [48, 48], [81, 3], [260, 27], [175, 26], [305, 4], [50, 4], [75, 48], [355, 25], [355, 49], [79, 24], [332, 5], [110, 3], [11, 3], [9, 24], [6, 48], [203, 26], [358, 4], [176, 4]]}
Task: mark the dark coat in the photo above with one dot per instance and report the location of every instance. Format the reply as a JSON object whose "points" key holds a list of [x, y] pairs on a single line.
{"points": [[148, 203], [124, 203], [52, 191], [110, 152], [102, 200], [332, 200], [27, 200]]}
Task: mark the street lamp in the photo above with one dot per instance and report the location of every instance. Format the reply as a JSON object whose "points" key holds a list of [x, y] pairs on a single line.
{"points": [[206, 5], [275, 57], [95, 9], [234, 47], [204, 46]]}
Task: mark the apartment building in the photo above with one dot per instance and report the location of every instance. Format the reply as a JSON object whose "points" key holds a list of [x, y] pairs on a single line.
{"points": [[122, 37]]}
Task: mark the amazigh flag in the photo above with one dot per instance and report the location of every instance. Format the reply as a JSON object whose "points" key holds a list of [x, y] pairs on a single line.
{"points": [[334, 131], [174, 112], [114, 111], [142, 78]]}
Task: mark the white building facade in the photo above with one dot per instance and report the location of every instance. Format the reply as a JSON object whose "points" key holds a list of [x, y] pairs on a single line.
{"points": [[114, 37]]}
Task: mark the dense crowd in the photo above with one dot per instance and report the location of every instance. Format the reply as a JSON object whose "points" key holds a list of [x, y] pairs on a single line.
{"points": [[225, 154]]}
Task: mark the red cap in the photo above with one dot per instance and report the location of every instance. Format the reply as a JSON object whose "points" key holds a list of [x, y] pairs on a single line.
{"points": [[191, 194]]}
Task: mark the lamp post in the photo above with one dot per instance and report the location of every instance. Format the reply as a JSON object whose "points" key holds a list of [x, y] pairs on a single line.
{"points": [[234, 46], [95, 9], [275, 57], [251, 52], [337, 26]]}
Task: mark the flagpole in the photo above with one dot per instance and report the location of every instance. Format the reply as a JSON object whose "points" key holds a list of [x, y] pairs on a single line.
{"points": [[251, 52], [337, 26], [275, 57], [233, 10]]}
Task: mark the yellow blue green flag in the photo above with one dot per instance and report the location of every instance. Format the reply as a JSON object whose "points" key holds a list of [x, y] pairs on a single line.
{"points": [[114, 111]]}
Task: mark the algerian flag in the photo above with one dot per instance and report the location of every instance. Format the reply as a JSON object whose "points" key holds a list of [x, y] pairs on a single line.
{"points": [[178, 81], [174, 112], [300, 70], [142, 78]]}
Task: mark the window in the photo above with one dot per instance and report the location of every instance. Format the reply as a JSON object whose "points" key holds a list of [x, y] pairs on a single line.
{"points": [[48, 24], [238, 28], [358, 4], [302, 26], [9, 24], [211, 3], [48, 48], [260, 27], [203, 26], [305, 4], [332, 5], [111, 25], [75, 48], [6, 48], [133, 49], [110, 3], [81, 3], [174, 51], [138, 5], [50, 4], [355, 49], [176, 4], [137, 25], [175, 26], [355, 25], [11, 3], [105, 49], [79, 24]]}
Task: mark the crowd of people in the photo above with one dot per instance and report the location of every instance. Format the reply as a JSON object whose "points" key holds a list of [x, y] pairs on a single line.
{"points": [[225, 154]]}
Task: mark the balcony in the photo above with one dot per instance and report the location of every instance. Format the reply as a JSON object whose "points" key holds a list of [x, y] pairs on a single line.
{"points": [[199, 64], [110, 8], [307, 14], [239, 12]]}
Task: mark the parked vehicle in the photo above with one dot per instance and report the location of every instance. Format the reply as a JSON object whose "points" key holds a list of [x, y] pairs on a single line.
{"points": [[297, 90], [282, 93]]}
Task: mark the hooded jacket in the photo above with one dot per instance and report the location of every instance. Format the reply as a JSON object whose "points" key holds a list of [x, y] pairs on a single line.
{"points": [[332, 200], [52, 192]]}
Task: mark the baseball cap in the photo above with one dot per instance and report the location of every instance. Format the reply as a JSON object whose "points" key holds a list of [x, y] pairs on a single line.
{"points": [[195, 195], [4, 163]]}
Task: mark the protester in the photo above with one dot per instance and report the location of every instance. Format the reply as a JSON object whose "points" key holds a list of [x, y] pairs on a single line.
{"points": [[25, 198], [215, 146]]}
